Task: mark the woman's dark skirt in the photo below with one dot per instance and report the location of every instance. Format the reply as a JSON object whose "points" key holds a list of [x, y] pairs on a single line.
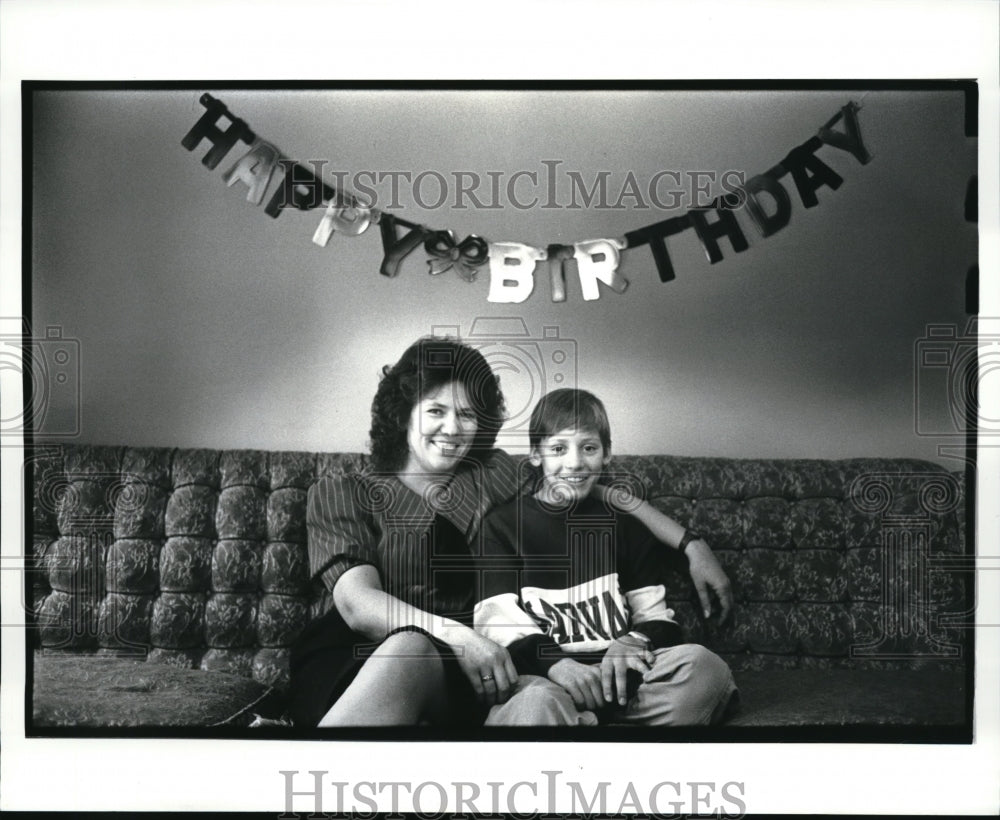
{"points": [[328, 656]]}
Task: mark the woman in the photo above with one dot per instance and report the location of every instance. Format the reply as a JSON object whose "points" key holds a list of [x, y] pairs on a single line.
{"points": [[390, 549]]}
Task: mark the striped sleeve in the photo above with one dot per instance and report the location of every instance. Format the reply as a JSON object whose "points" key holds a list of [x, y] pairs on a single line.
{"points": [[506, 478], [484, 485], [340, 534]]}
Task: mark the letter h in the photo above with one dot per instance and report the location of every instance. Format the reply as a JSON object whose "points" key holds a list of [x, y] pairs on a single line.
{"points": [[317, 794], [207, 128]]}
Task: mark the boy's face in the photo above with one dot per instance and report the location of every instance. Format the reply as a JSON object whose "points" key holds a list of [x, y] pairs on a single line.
{"points": [[571, 462]]}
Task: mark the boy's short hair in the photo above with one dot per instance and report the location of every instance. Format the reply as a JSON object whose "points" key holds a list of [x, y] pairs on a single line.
{"points": [[568, 408]]}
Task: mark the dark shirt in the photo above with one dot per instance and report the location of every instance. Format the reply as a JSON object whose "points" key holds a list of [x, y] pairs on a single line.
{"points": [[558, 582]]}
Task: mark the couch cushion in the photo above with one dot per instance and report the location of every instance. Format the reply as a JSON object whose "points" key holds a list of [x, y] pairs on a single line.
{"points": [[199, 557], [74, 690], [847, 697]]}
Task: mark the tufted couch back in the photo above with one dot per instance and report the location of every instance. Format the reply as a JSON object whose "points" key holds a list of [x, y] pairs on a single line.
{"points": [[198, 557]]}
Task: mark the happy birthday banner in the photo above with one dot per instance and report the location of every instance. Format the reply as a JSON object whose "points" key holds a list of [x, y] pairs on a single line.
{"points": [[512, 265]]}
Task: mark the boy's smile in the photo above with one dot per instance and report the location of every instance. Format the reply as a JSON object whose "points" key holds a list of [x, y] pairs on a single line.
{"points": [[571, 460]]}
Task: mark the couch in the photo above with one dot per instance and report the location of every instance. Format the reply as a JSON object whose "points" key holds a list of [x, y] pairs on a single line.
{"points": [[166, 585]]}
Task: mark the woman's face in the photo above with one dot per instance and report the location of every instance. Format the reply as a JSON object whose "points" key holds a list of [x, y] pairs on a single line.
{"points": [[442, 426]]}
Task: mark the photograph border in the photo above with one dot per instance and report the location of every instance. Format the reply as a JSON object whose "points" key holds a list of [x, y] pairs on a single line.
{"points": [[768, 793]]}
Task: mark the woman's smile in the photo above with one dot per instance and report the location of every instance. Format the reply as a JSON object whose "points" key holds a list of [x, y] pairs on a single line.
{"points": [[442, 426], [446, 445]]}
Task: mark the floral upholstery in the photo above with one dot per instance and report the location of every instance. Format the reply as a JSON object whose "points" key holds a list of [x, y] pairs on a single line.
{"points": [[197, 558]]}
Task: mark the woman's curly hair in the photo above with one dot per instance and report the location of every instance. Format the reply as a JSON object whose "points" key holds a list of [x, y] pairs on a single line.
{"points": [[428, 364]]}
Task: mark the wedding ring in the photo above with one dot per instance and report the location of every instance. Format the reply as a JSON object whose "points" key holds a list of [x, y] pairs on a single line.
{"points": [[487, 677]]}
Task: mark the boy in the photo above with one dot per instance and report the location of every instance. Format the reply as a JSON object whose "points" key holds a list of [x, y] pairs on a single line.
{"points": [[574, 591]]}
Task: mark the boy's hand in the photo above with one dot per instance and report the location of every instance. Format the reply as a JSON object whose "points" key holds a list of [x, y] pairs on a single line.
{"points": [[582, 681], [624, 653], [707, 574]]}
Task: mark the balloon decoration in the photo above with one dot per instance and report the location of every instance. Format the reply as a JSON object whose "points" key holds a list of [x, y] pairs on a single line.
{"points": [[512, 271], [558, 256], [512, 265], [597, 261], [255, 168], [656, 236], [350, 220], [207, 128], [724, 225], [396, 249], [465, 256], [768, 223]]}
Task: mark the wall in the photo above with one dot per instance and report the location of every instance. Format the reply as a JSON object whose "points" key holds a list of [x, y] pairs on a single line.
{"points": [[204, 322]]}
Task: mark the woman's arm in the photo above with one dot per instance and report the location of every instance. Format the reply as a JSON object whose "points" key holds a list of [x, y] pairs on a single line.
{"points": [[343, 555], [374, 613], [371, 611]]}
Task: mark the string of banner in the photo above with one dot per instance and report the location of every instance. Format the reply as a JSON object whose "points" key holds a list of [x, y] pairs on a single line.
{"points": [[512, 265]]}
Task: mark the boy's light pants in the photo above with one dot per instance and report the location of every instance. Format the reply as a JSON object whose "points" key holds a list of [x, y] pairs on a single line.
{"points": [[689, 686]]}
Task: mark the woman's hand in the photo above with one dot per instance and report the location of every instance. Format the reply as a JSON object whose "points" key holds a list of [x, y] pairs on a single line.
{"points": [[581, 681], [364, 606], [709, 577], [486, 664], [624, 653]]}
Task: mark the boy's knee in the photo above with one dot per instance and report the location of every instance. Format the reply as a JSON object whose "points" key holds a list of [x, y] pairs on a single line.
{"points": [[705, 664], [688, 661], [693, 687], [544, 699], [538, 702]]}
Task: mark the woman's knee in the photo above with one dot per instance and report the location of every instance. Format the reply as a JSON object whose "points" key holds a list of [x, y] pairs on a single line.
{"points": [[408, 643], [415, 649]]}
